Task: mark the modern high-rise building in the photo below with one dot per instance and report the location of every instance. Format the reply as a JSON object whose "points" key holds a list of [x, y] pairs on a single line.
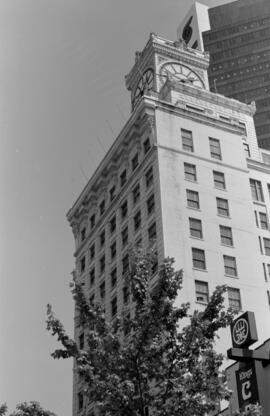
{"points": [[186, 177], [237, 36]]}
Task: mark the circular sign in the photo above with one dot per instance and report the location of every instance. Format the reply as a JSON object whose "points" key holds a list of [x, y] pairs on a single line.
{"points": [[240, 331]]}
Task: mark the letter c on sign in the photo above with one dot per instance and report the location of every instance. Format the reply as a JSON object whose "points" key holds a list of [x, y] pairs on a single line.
{"points": [[246, 394]]}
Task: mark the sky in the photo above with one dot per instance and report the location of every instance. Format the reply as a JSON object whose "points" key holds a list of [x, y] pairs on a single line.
{"points": [[62, 103]]}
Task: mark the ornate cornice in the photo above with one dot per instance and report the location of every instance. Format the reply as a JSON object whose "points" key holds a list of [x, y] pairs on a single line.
{"points": [[207, 96], [136, 125]]}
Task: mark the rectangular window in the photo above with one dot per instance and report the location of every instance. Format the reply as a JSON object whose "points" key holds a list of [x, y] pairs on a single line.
{"points": [[113, 277], [123, 177], [256, 218], [135, 161], [198, 258], [136, 193], [112, 193], [223, 207], [215, 150], [152, 232], [230, 266], [124, 235], [246, 149], [114, 306], [81, 341], [102, 238], [234, 298], [219, 180], [195, 227], [264, 272], [137, 220], [150, 204], [124, 210], [146, 145], [202, 291], [113, 250], [268, 270], [82, 264], [102, 207], [125, 264], [92, 251], [268, 297], [102, 264], [187, 140], [226, 235], [113, 224], [92, 221], [92, 277], [149, 177], [260, 244], [102, 291], [256, 190], [190, 172], [83, 234], [125, 295], [263, 220], [193, 199], [266, 242]]}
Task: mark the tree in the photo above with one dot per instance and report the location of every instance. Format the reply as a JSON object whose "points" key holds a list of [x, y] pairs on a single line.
{"points": [[147, 357], [26, 409]]}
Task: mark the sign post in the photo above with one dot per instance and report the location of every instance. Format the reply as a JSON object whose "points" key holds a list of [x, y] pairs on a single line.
{"points": [[244, 334]]}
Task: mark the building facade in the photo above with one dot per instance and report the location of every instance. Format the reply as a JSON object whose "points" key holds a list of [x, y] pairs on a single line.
{"points": [[238, 40], [186, 177]]}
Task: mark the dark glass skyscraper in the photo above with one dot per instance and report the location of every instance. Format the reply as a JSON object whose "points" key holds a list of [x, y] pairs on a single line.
{"points": [[239, 47]]}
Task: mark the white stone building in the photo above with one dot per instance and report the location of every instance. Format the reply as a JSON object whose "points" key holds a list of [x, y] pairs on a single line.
{"points": [[185, 170]]}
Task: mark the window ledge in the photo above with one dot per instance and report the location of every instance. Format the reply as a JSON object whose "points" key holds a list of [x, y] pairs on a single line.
{"points": [[260, 203], [194, 209], [224, 216], [227, 245], [191, 180], [200, 270], [220, 189], [201, 303], [231, 276], [197, 238]]}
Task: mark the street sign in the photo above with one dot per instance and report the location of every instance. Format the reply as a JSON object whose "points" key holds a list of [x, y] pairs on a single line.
{"points": [[247, 387], [244, 331]]}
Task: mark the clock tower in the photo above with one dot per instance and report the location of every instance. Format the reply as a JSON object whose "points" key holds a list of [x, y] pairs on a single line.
{"points": [[163, 60]]}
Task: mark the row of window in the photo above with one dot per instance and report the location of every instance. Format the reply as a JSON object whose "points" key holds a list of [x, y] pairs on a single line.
{"points": [[112, 223], [193, 201], [242, 61], [188, 145], [199, 262], [191, 175], [238, 51], [212, 35], [152, 234], [112, 191], [242, 39], [202, 295], [195, 227], [150, 207]]}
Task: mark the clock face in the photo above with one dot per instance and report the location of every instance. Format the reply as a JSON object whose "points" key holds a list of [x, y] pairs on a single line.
{"points": [[180, 73], [145, 84]]}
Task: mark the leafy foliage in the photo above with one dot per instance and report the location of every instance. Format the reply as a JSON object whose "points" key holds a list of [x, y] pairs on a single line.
{"points": [[26, 409], [254, 410], [146, 357]]}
